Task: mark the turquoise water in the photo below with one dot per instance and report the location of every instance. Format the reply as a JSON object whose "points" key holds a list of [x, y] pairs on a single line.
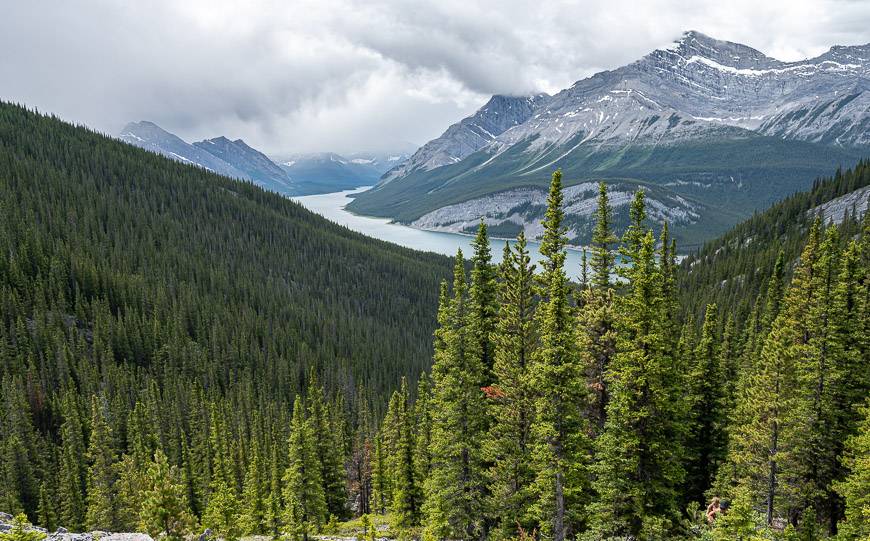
{"points": [[331, 206]]}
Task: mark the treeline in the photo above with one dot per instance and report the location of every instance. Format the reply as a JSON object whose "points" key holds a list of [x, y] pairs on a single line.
{"points": [[180, 351], [164, 301], [596, 413], [733, 270]]}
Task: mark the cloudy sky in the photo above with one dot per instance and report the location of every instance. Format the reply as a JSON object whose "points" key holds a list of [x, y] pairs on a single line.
{"points": [[307, 75]]}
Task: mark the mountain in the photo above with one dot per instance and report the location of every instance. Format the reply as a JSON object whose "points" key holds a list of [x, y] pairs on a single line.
{"points": [[253, 163], [381, 161], [233, 159], [469, 135], [330, 172], [717, 127], [197, 279], [152, 137]]}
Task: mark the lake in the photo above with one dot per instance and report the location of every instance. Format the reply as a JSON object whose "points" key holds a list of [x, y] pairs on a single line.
{"points": [[332, 207]]}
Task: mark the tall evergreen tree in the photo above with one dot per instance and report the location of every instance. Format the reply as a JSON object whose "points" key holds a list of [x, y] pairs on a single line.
{"points": [[706, 446], [455, 488], [165, 510], [764, 442], [855, 489], [254, 495], [511, 398], [305, 504], [638, 469], [596, 317], [406, 493], [329, 455], [482, 302], [72, 467], [559, 431], [101, 473]]}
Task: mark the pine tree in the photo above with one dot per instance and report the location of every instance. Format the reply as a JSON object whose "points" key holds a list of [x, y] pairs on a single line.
{"points": [[305, 504], [596, 318], [482, 301], [72, 468], [855, 489], [706, 446], [559, 432], [638, 469], [101, 473], [329, 455], [455, 490], [164, 510], [46, 513], [406, 493], [21, 530], [423, 432], [273, 499], [602, 241], [380, 478], [254, 495], [222, 509], [511, 400], [770, 415]]}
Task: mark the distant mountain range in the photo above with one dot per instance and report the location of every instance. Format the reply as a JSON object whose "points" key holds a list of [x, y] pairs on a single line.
{"points": [[328, 172], [713, 130], [293, 176]]}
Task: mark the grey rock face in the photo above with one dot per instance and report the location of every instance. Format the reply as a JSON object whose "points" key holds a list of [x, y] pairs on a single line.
{"points": [[700, 85], [152, 137], [249, 161], [469, 135]]}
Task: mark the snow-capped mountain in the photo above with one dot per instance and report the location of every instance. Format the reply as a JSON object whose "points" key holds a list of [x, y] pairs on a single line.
{"points": [[469, 134], [152, 137], [329, 172], [249, 161], [230, 158], [718, 124]]}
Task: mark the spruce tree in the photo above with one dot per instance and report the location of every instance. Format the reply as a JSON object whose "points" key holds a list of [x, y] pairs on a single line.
{"points": [[406, 493], [511, 397], [254, 495], [72, 469], [101, 474], [559, 431], [771, 412], [46, 513], [482, 302], [855, 488], [305, 504], [706, 446], [455, 488], [165, 510], [329, 455], [423, 432], [597, 334], [638, 470]]}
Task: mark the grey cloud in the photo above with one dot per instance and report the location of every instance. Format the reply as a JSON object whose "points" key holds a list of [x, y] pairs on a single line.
{"points": [[306, 75]]}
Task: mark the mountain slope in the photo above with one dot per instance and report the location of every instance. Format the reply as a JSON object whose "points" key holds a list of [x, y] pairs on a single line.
{"points": [[250, 162], [732, 270], [713, 122], [191, 279], [498, 115], [152, 137], [329, 172]]}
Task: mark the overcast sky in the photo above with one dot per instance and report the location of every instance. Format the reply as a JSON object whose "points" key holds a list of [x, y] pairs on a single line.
{"points": [[307, 75]]}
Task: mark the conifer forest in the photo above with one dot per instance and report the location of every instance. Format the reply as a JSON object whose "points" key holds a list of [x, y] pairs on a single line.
{"points": [[181, 351]]}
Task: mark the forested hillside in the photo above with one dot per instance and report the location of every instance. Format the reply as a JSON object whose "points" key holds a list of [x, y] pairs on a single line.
{"points": [[733, 270], [177, 297], [181, 351]]}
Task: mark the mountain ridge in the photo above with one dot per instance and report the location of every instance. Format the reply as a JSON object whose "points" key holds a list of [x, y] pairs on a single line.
{"points": [[704, 119]]}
